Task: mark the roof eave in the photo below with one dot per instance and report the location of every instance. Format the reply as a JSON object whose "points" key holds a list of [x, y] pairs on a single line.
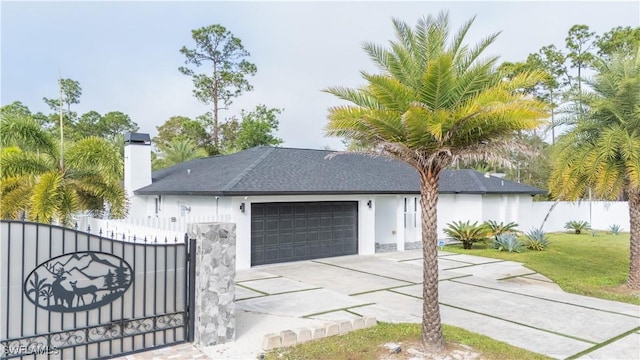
{"points": [[332, 192]]}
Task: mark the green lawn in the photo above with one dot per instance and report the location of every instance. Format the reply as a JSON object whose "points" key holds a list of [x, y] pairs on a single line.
{"points": [[367, 344], [582, 264]]}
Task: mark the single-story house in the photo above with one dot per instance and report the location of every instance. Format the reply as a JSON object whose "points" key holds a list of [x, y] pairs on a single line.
{"points": [[295, 204]]}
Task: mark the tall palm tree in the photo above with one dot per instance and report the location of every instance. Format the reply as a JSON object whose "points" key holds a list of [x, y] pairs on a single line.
{"points": [[435, 102], [36, 184], [602, 152]]}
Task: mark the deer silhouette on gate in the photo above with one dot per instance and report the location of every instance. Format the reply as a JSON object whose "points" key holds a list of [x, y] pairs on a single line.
{"points": [[82, 291], [60, 294]]}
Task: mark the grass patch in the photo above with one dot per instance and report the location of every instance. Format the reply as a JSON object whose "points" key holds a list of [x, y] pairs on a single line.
{"points": [[367, 344], [582, 264]]}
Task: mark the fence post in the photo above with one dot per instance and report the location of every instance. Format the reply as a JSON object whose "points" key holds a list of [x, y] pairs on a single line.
{"points": [[191, 288], [213, 314]]}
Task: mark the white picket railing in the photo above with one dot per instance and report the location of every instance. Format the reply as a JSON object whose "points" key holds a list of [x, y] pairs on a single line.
{"points": [[151, 229]]}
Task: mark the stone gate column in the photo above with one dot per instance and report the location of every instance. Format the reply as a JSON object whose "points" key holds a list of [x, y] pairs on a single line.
{"points": [[215, 312]]}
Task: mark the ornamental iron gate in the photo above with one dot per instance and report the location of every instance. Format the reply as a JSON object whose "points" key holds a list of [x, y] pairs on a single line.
{"points": [[66, 293]]}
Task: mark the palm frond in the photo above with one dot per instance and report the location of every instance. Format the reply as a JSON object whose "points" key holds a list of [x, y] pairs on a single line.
{"points": [[96, 154], [438, 83], [26, 133], [45, 200]]}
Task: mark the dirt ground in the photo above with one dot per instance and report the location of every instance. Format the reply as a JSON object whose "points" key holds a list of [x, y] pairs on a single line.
{"points": [[414, 351]]}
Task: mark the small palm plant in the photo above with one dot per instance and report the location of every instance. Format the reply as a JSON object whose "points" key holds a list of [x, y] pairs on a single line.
{"points": [[536, 240], [615, 229], [496, 228], [577, 226], [467, 233], [508, 242]]}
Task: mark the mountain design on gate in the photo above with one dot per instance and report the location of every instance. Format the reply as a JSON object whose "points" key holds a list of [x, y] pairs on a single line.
{"points": [[78, 281]]}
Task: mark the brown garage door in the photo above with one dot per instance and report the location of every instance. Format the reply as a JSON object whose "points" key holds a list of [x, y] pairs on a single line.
{"points": [[282, 232]]}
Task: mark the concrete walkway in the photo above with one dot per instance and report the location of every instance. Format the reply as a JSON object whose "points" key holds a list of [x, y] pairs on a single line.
{"points": [[500, 299]]}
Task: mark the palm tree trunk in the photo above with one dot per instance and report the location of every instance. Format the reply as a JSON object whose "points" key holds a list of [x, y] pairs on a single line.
{"points": [[432, 338], [633, 281]]}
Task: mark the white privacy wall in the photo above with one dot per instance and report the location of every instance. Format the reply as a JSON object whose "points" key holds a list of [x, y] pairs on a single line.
{"points": [[601, 214]]}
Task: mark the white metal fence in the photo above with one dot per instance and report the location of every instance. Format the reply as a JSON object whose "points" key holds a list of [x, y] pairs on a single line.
{"points": [[153, 229]]}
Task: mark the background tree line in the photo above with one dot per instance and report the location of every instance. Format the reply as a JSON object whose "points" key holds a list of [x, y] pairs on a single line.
{"points": [[54, 166], [564, 87]]}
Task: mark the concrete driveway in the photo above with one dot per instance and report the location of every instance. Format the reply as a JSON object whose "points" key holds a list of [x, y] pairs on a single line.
{"points": [[500, 299]]}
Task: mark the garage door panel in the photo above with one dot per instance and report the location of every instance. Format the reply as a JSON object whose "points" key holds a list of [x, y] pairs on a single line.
{"points": [[300, 251], [300, 237], [298, 231], [300, 223], [300, 209], [312, 236], [270, 255], [285, 238], [257, 225], [313, 209], [257, 256], [257, 239], [313, 222], [271, 224], [271, 240], [325, 249], [286, 224], [270, 210], [286, 209], [258, 211], [326, 235], [325, 221], [285, 252]]}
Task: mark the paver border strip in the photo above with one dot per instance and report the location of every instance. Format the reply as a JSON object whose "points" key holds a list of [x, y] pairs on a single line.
{"points": [[339, 309], [365, 272], [603, 344], [554, 301]]}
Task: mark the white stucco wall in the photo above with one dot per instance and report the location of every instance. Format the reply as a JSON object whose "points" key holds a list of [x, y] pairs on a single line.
{"points": [[504, 208], [185, 206], [456, 207], [385, 219]]}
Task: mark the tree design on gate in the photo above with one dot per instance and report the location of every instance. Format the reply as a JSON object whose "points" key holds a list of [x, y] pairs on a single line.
{"points": [[78, 281]]}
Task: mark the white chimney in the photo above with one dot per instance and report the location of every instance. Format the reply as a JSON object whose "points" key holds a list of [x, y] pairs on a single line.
{"points": [[137, 162]]}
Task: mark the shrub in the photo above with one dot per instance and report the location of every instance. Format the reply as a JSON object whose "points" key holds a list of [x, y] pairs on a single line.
{"points": [[577, 226], [536, 240], [615, 229], [466, 232], [496, 229], [507, 242]]}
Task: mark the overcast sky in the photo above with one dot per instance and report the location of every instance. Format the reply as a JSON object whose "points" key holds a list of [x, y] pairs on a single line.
{"points": [[126, 54]]}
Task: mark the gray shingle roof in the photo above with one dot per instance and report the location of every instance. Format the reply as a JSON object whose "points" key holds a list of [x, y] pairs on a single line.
{"points": [[279, 171]]}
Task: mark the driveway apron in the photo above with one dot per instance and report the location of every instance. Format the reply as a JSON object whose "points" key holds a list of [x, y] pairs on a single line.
{"points": [[501, 299]]}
